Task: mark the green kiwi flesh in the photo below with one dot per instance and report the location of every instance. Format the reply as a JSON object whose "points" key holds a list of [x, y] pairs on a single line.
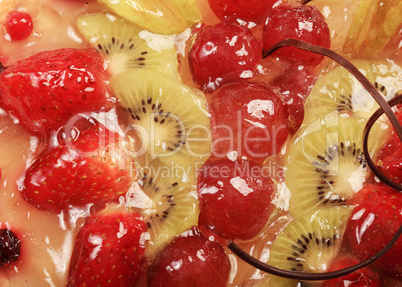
{"points": [[308, 243], [168, 117], [340, 91], [325, 165], [126, 46], [168, 204]]}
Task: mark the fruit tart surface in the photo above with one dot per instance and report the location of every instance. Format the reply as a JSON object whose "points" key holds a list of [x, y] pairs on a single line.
{"points": [[138, 138]]}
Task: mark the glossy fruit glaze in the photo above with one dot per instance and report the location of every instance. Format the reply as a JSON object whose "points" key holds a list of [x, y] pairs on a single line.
{"points": [[49, 238]]}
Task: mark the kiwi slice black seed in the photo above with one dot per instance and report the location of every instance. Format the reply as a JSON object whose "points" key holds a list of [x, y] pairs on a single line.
{"points": [[126, 46], [167, 202], [169, 118], [339, 90], [325, 164], [308, 243]]}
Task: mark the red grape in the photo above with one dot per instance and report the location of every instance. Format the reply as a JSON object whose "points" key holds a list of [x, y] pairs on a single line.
{"points": [[235, 198], [250, 119], [296, 21], [223, 53], [190, 260], [295, 86], [19, 25], [250, 10]]}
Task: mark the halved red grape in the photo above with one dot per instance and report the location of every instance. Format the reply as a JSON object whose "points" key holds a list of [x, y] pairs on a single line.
{"points": [[248, 119], [190, 260], [235, 198], [295, 86], [296, 21], [224, 53], [246, 10]]}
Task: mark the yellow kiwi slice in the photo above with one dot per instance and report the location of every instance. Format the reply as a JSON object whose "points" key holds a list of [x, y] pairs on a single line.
{"points": [[126, 46], [325, 165], [308, 243], [340, 91], [165, 17], [167, 202], [169, 118], [374, 23]]}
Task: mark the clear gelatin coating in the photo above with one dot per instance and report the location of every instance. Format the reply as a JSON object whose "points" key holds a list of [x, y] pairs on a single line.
{"points": [[139, 138]]}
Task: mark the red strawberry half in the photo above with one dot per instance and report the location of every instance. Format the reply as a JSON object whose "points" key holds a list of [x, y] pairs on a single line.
{"points": [[46, 89], [108, 250], [85, 170], [373, 223]]}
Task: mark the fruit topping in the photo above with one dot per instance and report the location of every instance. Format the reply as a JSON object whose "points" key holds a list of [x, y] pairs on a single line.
{"points": [[295, 85], [363, 278], [190, 260], [109, 249], [10, 247], [169, 118], [46, 89], [158, 16], [325, 164], [19, 26], [252, 10], [390, 157], [373, 222], [309, 243], [126, 46], [235, 198], [296, 21], [248, 119], [224, 53], [89, 170], [374, 23], [340, 90], [169, 203]]}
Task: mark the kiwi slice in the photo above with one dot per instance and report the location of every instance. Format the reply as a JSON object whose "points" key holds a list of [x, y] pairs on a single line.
{"points": [[169, 118], [308, 243], [373, 25], [325, 165], [126, 47], [165, 17], [167, 202], [340, 91]]}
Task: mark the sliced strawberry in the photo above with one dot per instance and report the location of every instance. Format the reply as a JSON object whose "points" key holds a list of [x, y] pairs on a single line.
{"points": [[250, 119], [46, 89], [108, 250], [190, 260], [362, 278], [85, 170], [373, 223], [235, 197]]}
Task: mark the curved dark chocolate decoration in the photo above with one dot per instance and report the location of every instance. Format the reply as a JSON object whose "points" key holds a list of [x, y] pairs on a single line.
{"points": [[384, 108], [310, 276], [367, 128]]}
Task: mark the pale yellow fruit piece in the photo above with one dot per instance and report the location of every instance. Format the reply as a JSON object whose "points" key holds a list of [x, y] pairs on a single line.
{"points": [[158, 16], [373, 25]]}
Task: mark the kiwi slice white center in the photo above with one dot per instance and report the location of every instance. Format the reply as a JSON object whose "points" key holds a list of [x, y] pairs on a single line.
{"points": [[169, 118], [325, 164], [340, 91], [125, 45]]}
